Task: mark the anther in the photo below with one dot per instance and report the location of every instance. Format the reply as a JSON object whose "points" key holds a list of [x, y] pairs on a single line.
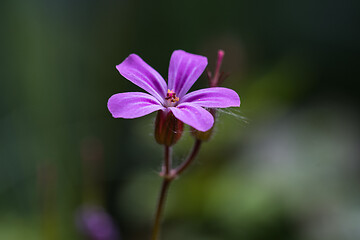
{"points": [[171, 96]]}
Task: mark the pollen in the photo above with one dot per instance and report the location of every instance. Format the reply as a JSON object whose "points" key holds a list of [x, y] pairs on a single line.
{"points": [[171, 96]]}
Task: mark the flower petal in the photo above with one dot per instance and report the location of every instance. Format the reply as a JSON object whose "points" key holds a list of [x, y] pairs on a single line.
{"points": [[132, 104], [185, 68], [216, 97], [193, 115], [141, 74]]}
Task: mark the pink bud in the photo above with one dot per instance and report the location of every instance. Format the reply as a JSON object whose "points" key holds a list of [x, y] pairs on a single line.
{"points": [[221, 54]]}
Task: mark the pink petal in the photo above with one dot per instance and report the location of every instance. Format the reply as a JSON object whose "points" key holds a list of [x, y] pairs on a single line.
{"points": [[185, 68], [132, 104], [216, 97], [141, 74], [193, 115]]}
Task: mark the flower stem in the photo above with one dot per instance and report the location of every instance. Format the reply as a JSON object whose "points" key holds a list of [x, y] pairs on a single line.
{"points": [[169, 174], [163, 193], [167, 160], [214, 80], [160, 207]]}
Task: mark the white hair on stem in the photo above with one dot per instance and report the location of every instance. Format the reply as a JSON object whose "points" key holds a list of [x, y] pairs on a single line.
{"points": [[237, 114]]}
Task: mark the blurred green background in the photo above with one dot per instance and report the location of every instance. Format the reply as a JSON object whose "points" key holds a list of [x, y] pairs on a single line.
{"points": [[285, 165]]}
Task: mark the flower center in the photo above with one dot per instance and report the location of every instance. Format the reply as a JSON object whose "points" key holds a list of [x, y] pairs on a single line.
{"points": [[171, 98]]}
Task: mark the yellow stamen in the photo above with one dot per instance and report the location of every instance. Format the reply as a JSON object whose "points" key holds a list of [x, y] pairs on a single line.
{"points": [[171, 95]]}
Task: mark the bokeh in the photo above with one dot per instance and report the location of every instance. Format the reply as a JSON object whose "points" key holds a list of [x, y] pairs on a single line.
{"points": [[285, 165]]}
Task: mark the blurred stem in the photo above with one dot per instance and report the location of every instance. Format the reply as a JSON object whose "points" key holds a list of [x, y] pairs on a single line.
{"points": [[215, 79], [169, 174]]}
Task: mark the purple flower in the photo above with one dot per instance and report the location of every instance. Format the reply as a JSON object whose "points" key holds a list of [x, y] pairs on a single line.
{"points": [[95, 223], [185, 68]]}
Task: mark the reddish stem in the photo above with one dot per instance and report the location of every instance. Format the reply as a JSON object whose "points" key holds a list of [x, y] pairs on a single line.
{"points": [[163, 193], [168, 176], [215, 79]]}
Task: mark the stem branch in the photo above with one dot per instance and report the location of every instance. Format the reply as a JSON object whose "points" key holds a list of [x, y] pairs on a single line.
{"points": [[169, 174]]}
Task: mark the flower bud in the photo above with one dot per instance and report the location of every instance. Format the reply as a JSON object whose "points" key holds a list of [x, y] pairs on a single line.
{"points": [[205, 136], [168, 129]]}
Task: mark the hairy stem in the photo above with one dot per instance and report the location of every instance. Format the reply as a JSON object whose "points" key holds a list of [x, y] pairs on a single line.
{"points": [[160, 207], [163, 193], [169, 174]]}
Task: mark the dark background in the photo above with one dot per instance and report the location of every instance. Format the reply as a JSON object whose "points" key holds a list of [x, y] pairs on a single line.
{"points": [[285, 165]]}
